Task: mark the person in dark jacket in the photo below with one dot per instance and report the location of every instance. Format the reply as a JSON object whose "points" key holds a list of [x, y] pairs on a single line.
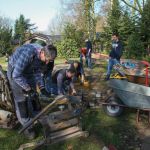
{"points": [[88, 53], [115, 54], [24, 75], [47, 72], [63, 79], [79, 70]]}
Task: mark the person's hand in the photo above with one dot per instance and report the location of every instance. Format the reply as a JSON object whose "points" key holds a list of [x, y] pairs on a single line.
{"points": [[45, 93], [82, 79], [29, 92], [74, 92]]}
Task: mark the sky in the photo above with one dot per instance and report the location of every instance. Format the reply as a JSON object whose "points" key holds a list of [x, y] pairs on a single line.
{"points": [[40, 12]]}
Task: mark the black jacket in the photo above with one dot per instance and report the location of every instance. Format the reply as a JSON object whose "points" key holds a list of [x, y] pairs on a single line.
{"points": [[116, 50]]}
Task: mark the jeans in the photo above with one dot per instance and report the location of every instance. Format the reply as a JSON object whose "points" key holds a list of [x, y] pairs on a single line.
{"points": [[111, 63], [81, 61], [65, 88], [88, 62]]}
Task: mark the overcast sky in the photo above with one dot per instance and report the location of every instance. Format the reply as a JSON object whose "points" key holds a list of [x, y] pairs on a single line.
{"points": [[40, 12]]}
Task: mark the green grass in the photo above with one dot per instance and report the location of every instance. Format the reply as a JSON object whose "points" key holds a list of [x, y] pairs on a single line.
{"points": [[104, 130], [3, 63], [59, 60]]}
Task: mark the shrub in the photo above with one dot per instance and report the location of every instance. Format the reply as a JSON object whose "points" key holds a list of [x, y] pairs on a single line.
{"points": [[67, 48]]}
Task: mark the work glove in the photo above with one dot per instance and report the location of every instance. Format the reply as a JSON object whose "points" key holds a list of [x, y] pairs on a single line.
{"points": [[45, 93], [30, 92], [82, 79], [74, 92]]}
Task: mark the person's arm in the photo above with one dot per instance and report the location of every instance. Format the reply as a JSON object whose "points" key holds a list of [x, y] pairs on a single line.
{"points": [[82, 73], [120, 49], [22, 62], [72, 87], [39, 77]]}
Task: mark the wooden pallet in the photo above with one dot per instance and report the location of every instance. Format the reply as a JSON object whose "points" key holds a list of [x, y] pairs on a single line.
{"points": [[57, 126], [61, 125]]}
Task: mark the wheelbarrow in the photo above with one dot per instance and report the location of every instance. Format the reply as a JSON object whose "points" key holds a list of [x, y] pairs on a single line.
{"points": [[126, 94], [137, 72]]}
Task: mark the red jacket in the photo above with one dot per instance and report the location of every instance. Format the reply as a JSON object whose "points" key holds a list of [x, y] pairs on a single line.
{"points": [[83, 51]]}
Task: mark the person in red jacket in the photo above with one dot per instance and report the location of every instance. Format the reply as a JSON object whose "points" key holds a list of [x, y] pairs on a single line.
{"points": [[82, 54]]}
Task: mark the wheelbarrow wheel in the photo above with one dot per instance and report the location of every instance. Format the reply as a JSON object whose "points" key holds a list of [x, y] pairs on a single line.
{"points": [[113, 110]]}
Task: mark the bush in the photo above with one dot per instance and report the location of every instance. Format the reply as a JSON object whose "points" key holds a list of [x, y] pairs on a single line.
{"points": [[147, 58], [67, 48]]}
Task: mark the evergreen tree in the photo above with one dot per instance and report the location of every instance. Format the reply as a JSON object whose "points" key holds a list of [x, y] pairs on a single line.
{"points": [[114, 16], [119, 21], [5, 36], [135, 47], [145, 24], [23, 27], [71, 32]]}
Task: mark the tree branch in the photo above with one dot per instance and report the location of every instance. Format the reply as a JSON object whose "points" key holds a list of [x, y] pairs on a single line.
{"points": [[131, 6], [139, 6]]}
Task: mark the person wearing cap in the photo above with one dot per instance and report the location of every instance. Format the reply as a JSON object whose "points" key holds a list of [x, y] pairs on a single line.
{"points": [[79, 70], [24, 75], [63, 81]]}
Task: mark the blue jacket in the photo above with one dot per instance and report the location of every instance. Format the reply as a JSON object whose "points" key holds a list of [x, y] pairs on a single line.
{"points": [[116, 50]]}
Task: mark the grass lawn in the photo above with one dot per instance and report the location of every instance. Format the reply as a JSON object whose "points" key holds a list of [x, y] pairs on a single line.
{"points": [[3, 63], [104, 130]]}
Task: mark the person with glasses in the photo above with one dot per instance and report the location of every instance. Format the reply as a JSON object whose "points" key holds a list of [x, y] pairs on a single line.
{"points": [[24, 75]]}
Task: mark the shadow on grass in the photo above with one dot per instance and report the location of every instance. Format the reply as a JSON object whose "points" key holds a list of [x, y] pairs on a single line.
{"points": [[118, 131]]}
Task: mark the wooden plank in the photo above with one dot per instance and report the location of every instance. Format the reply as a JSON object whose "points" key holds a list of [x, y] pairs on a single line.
{"points": [[43, 119], [64, 124], [58, 113], [74, 135], [34, 144], [65, 132], [61, 115]]}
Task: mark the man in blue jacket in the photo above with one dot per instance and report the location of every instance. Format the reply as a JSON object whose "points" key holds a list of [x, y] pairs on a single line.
{"points": [[24, 74], [115, 54]]}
